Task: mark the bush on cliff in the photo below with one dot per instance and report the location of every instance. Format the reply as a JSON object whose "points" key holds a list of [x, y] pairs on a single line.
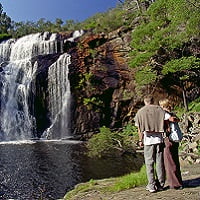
{"points": [[110, 143]]}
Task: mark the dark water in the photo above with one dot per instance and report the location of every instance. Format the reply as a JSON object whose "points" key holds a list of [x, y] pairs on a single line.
{"points": [[47, 170]]}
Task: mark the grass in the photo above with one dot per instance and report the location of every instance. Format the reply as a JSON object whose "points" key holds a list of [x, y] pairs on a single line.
{"points": [[112, 184], [80, 188], [130, 181]]}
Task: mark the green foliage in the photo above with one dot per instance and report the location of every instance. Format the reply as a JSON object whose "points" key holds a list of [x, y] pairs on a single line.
{"points": [[106, 142], [178, 109], [84, 80], [104, 22], [127, 94], [87, 101], [194, 106], [130, 181], [129, 136], [5, 21], [93, 101], [143, 34], [101, 22], [168, 24], [93, 52], [86, 84], [70, 25], [130, 130], [88, 76], [100, 144], [20, 29], [184, 63], [141, 57], [145, 76], [4, 36], [81, 188]]}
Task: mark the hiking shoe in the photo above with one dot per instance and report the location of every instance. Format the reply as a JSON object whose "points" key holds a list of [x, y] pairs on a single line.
{"points": [[177, 188], [150, 189], [160, 188]]}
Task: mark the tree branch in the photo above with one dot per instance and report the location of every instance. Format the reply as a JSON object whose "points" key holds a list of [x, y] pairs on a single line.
{"points": [[193, 4], [121, 1], [120, 144]]}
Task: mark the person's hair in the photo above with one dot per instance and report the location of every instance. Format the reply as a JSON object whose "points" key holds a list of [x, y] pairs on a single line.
{"points": [[148, 99], [165, 103]]}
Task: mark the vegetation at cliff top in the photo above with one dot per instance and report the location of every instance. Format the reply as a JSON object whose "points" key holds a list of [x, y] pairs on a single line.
{"points": [[100, 22]]}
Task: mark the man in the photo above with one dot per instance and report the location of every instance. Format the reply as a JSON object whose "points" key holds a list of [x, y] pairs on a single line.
{"points": [[150, 122]]}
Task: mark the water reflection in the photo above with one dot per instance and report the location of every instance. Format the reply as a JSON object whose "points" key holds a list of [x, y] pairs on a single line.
{"points": [[47, 170]]}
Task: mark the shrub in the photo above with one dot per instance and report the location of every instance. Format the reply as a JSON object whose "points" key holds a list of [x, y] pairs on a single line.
{"points": [[108, 143], [100, 144]]}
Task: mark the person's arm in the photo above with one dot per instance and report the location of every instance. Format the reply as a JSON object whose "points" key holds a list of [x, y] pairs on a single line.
{"points": [[140, 142], [140, 134], [166, 122], [174, 119], [166, 126]]}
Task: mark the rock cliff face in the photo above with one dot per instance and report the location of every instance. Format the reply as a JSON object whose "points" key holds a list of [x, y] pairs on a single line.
{"points": [[102, 84]]}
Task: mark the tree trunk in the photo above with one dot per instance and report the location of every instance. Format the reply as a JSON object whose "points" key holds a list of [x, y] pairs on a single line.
{"points": [[185, 99]]}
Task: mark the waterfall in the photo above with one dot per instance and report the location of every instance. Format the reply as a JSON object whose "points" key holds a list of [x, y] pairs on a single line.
{"points": [[18, 73], [59, 97]]}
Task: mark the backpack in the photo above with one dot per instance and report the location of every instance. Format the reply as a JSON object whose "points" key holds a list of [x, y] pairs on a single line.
{"points": [[175, 134]]}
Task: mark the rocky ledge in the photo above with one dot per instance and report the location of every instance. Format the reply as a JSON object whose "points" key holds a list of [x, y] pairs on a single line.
{"points": [[190, 145]]}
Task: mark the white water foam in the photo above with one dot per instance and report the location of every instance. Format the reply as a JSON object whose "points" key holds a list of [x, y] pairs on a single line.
{"points": [[18, 79]]}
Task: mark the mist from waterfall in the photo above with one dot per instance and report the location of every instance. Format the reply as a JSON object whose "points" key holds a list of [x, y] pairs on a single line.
{"points": [[18, 72]]}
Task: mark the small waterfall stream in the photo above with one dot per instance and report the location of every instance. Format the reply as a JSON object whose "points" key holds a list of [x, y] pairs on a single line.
{"points": [[18, 72], [59, 97]]}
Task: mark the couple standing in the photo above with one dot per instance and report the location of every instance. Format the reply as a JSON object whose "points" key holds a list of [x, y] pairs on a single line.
{"points": [[159, 151]]}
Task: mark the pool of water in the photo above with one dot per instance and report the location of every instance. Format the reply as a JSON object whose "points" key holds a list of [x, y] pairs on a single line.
{"points": [[48, 169]]}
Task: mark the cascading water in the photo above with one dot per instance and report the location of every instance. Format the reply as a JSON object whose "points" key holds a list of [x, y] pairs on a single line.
{"points": [[18, 72], [59, 97]]}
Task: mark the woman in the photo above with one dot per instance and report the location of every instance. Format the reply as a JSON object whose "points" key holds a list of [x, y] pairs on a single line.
{"points": [[171, 157]]}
